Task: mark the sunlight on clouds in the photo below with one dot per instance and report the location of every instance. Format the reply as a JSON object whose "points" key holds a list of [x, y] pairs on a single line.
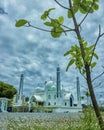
{"points": [[30, 37], [33, 66]]}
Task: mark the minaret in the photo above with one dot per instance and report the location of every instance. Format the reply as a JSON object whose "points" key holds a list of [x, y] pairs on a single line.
{"points": [[20, 94], [58, 82], [78, 92]]}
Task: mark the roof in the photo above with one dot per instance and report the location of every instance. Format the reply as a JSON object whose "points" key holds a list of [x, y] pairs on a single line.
{"points": [[37, 98], [50, 85], [4, 98], [39, 89]]}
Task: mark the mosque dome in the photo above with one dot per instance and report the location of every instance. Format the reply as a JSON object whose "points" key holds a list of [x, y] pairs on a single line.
{"points": [[68, 96], [53, 86], [37, 98], [50, 85], [38, 89]]}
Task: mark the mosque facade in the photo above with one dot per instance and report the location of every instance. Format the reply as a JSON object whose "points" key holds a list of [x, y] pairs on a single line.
{"points": [[55, 96], [52, 95]]}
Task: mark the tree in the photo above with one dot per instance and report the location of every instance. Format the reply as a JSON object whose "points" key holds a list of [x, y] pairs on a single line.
{"points": [[82, 54], [7, 90]]}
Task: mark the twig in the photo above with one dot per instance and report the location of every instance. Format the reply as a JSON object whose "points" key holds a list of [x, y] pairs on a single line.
{"points": [[82, 74], [98, 76], [29, 25], [86, 14], [98, 85], [61, 5], [99, 36]]}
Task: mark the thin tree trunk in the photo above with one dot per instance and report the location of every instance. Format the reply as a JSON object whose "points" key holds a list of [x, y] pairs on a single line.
{"points": [[87, 68], [93, 98]]}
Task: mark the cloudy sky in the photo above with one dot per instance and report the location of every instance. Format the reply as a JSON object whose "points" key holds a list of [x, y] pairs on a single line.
{"points": [[36, 53]]}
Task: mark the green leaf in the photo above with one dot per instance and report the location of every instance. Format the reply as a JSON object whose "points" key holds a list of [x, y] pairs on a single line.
{"points": [[85, 44], [91, 47], [82, 10], [56, 32], [95, 6], [49, 10], [83, 71], [67, 53], [70, 63], [91, 10], [69, 14], [96, 56], [78, 62], [87, 58], [21, 22], [48, 24], [88, 3], [61, 19], [81, 40], [55, 23], [93, 64], [46, 13], [75, 8], [77, 2]]}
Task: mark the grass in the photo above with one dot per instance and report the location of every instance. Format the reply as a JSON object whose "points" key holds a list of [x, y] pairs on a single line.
{"points": [[87, 121]]}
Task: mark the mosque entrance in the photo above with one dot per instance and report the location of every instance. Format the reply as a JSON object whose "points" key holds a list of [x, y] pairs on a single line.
{"points": [[40, 103], [71, 102]]}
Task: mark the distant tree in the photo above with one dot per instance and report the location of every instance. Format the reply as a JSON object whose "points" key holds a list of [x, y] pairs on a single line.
{"points": [[7, 90], [27, 99], [82, 54]]}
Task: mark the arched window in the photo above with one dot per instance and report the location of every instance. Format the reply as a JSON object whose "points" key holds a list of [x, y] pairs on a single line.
{"points": [[54, 103], [49, 103], [71, 101], [49, 96], [65, 103], [54, 96]]}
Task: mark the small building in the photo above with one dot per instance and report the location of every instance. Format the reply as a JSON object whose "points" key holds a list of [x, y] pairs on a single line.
{"points": [[3, 104]]}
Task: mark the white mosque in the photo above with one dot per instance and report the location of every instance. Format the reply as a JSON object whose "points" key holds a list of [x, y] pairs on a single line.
{"points": [[52, 95], [55, 96]]}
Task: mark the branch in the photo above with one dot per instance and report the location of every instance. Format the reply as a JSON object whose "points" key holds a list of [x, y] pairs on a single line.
{"points": [[98, 76], [29, 25], [45, 30], [61, 5], [82, 74], [98, 85], [96, 42], [86, 14]]}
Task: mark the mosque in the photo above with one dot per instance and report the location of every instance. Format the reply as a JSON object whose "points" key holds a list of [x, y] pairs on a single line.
{"points": [[55, 96], [52, 95]]}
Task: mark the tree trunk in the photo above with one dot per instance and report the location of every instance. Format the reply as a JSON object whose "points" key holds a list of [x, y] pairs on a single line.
{"points": [[87, 68], [93, 98]]}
